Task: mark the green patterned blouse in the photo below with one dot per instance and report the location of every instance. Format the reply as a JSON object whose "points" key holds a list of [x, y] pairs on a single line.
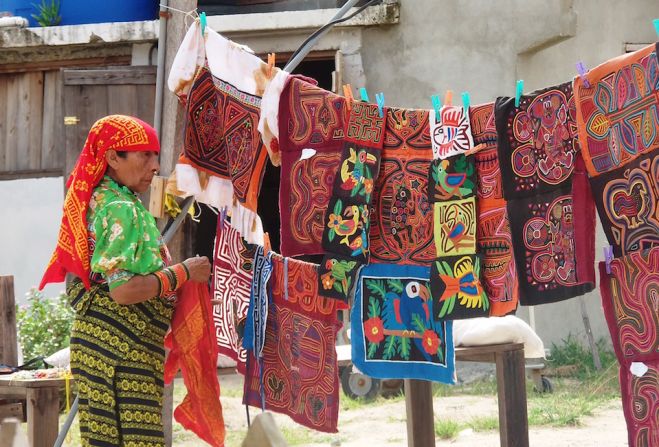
{"points": [[123, 235]]}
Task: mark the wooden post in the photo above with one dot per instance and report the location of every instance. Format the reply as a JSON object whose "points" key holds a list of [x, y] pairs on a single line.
{"points": [[511, 390], [420, 416], [42, 406], [171, 142], [8, 354]]}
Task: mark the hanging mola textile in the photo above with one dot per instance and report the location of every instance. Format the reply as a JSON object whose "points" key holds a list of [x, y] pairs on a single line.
{"points": [[618, 122], [629, 298], [311, 137], [455, 275], [493, 235], [232, 285], [551, 211], [394, 334], [224, 157], [401, 219], [347, 220], [298, 372]]}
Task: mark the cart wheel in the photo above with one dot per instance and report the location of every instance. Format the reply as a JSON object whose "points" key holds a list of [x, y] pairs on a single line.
{"points": [[547, 386], [356, 385]]}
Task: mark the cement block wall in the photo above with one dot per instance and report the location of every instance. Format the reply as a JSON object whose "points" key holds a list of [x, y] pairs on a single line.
{"points": [[483, 47]]}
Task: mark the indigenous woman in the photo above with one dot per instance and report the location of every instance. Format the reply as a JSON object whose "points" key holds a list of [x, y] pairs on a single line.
{"points": [[124, 292]]}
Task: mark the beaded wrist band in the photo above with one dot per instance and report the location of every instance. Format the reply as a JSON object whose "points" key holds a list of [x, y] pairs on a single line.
{"points": [[171, 279]]}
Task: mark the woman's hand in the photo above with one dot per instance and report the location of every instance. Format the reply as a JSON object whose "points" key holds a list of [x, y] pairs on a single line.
{"points": [[199, 268]]}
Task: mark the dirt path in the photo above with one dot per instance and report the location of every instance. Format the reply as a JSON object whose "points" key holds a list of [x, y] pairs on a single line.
{"points": [[384, 424]]}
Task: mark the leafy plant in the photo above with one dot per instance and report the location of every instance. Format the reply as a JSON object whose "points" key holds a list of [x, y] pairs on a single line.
{"points": [[44, 324], [48, 13]]}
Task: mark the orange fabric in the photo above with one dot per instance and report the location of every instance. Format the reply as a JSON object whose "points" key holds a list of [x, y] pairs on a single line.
{"points": [[614, 115], [118, 132], [193, 350]]}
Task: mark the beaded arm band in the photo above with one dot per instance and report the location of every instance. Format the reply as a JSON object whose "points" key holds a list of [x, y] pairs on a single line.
{"points": [[171, 279]]}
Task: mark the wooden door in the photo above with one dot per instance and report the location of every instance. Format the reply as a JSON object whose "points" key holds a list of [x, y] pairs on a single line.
{"points": [[90, 94]]}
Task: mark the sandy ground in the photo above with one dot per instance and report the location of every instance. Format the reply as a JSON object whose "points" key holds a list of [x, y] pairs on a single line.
{"points": [[384, 424]]}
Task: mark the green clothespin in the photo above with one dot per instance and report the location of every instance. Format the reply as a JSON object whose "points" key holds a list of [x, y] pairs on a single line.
{"points": [[379, 98], [655, 22], [466, 100], [202, 21], [519, 91], [437, 105], [364, 94]]}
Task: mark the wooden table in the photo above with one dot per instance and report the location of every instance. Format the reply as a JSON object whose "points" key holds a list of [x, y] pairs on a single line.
{"points": [[511, 390], [42, 400]]}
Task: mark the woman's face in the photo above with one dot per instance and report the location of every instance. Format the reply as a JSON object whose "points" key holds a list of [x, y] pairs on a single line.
{"points": [[135, 170]]}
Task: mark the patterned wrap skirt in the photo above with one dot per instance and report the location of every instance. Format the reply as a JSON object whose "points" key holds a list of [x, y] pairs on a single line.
{"points": [[117, 358]]}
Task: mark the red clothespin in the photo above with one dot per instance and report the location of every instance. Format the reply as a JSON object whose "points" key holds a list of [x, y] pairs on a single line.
{"points": [[347, 92], [608, 257], [448, 98], [271, 63]]}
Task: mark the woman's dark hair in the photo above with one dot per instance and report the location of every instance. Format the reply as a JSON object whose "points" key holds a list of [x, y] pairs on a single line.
{"points": [[122, 154]]}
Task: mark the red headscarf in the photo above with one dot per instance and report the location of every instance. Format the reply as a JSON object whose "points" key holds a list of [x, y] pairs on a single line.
{"points": [[118, 132]]}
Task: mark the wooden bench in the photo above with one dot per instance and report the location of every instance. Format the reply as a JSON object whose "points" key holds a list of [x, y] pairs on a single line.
{"points": [[42, 404], [511, 391]]}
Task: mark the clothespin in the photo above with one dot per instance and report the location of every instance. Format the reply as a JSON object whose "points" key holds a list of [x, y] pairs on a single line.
{"points": [[518, 91], [379, 98], [271, 63], [267, 247], [437, 105], [202, 22], [608, 257], [581, 69], [347, 92], [655, 22], [448, 98], [364, 94], [466, 101]]}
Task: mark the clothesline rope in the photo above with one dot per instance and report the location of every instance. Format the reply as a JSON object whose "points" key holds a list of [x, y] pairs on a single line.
{"points": [[192, 13]]}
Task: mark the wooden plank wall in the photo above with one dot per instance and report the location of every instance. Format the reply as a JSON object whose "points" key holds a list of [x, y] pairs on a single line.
{"points": [[33, 138], [30, 113], [91, 94]]}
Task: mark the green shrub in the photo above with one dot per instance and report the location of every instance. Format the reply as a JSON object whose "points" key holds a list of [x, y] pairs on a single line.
{"points": [[44, 324], [573, 352]]}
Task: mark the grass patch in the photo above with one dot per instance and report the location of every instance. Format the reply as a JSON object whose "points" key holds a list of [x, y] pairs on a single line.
{"points": [[348, 403], [303, 436], [296, 436], [446, 428], [484, 423], [486, 387], [572, 353]]}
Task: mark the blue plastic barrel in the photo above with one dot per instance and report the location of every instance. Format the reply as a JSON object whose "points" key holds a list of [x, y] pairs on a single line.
{"points": [[76, 12]]}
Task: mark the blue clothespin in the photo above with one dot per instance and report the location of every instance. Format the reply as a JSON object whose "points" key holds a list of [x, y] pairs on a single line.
{"points": [[379, 98], [437, 105], [581, 69], [466, 100], [608, 257], [202, 22], [364, 94], [655, 22], [518, 91]]}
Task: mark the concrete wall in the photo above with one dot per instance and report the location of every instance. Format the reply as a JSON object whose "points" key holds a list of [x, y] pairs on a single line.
{"points": [[32, 210], [484, 46]]}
